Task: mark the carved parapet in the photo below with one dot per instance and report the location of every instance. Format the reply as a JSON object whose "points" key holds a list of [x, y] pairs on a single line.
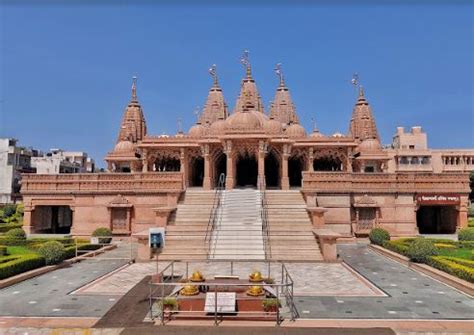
{"points": [[342, 182], [102, 183]]}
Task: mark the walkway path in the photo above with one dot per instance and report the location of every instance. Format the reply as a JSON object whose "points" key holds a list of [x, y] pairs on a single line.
{"points": [[411, 295]]}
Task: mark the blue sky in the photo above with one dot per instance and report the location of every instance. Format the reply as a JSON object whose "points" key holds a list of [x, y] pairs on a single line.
{"points": [[66, 69]]}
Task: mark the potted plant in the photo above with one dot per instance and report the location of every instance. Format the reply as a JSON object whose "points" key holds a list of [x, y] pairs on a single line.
{"points": [[101, 236], [168, 304], [271, 305]]}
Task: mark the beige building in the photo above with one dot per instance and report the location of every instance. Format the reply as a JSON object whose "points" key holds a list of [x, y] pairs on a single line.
{"points": [[60, 161]]}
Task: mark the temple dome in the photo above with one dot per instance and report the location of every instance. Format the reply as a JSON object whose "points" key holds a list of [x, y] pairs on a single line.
{"points": [[218, 127], [196, 131], [295, 130], [273, 127], [124, 146], [369, 144], [316, 134], [251, 120]]}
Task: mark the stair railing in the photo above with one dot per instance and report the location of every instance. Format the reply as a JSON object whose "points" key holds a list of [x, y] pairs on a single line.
{"points": [[264, 216], [213, 217]]}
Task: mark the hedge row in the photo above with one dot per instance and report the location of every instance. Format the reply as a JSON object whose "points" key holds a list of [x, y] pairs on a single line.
{"points": [[8, 226], [33, 241], [453, 266], [3, 250], [14, 265], [396, 246]]}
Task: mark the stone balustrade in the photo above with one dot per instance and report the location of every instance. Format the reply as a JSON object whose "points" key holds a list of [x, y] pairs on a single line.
{"points": [[336, 182], [102, 183]]}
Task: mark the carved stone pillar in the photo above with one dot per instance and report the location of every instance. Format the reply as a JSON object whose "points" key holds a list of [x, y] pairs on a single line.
{"points": [[285, 182], [183, 166], [145, 160], [206, 184], [311, 160], [261, 161], [229, 179], [349, 161], [110, 166]]}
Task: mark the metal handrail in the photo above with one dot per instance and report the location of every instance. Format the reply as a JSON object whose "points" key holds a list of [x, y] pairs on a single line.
{"points": [[264, 217], [211, 224]]}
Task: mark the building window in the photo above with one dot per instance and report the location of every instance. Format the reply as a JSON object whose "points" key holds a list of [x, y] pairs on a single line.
{"points": [[412, 147], [415, 161], [369, 169], [403, 160], [425, 160]]}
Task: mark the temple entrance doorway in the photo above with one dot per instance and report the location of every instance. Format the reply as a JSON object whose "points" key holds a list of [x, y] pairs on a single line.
{"points": [[436, 219], [295, 171], [220, 167], [247, 171], [52, 219], [272, 171], [197, 172]]}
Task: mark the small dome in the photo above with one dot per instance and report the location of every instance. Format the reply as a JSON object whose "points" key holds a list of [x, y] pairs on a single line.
{"points": [[369, 144], [272, 127], [245, 121], [337, 134], [295, 130], [218, 127], [316, 134], [124, 146], [196, 131]]}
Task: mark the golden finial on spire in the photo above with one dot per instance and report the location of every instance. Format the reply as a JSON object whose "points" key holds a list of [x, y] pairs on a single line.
{"points": [[180, 125], [313, 121], [213, 73], [134, 88], [279, 73], [246, 62], [361, 91]]}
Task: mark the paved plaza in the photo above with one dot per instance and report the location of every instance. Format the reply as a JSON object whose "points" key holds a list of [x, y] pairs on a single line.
{"points": [[371, 287]]}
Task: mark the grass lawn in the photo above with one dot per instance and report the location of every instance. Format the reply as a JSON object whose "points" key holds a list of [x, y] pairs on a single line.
{"points": [[458, 253], [20, 250]]}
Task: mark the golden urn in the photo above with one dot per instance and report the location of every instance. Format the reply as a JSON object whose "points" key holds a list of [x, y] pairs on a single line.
{"points": [[256, 276], [189, 290], [255, 291], [197, 277]]}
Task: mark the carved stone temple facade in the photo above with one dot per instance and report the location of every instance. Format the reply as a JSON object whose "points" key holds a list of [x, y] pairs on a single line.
{"points": [[349, 181]]}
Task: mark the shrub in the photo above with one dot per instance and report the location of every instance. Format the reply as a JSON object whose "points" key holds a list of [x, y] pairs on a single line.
{"points": [[8, 211], [3, 250], [466, 234], [456, 267], [19, 264], [53, 252], [378, 236], [9, 226], [12, 241], [16, 233], [396, 246], [420, 250], [102, 232]]}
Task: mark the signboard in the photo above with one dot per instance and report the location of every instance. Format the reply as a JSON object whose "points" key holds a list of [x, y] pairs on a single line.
{"points": [[225, 302], [438, 199], [156, 238]]}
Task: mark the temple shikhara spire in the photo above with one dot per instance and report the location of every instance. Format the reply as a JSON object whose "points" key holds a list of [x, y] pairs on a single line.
{"points": [[215, 107], [282, 108], [362, 125], [249, 98], [133, 126]]}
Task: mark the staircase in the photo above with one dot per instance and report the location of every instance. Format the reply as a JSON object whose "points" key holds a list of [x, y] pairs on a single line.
{"points": [[238, 231], [290, 228], [187, 226]]}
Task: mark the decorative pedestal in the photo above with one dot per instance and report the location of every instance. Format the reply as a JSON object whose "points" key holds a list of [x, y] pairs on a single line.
{"points": [[162, 215], [317, 216], [144, 250], [328, 243]]}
